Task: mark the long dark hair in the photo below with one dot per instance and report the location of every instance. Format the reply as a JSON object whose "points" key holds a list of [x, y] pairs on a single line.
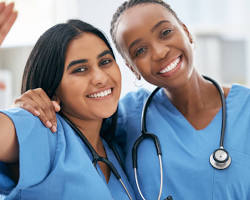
{"points": [[45, 65]]}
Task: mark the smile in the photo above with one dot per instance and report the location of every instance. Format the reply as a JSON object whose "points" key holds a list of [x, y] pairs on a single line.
{"points": [[171, 66], [100, 94]]}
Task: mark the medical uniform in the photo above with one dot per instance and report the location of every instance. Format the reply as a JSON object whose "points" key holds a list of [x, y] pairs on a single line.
{"points": [[188, 174], [57, 166]]}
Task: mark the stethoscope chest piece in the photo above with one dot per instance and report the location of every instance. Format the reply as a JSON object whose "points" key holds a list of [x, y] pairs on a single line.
{"points": [[220, 159]]}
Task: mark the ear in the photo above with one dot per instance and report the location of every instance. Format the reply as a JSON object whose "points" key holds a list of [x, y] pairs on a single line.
{"points": [[138, 76], [188, 33]]}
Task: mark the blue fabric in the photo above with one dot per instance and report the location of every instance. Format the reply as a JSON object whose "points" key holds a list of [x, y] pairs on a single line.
{"points": [[186, 151], [57, 166]]}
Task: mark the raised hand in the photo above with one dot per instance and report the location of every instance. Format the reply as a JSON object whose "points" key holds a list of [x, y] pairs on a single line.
{"points": [[7, 19]]}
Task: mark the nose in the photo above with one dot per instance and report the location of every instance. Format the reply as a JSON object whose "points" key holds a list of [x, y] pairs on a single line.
{"points": [[159, 51], [99, 77]]}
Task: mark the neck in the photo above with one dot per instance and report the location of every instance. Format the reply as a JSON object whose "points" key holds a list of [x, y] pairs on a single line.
{"points": [[89, 128], [194, 96]]}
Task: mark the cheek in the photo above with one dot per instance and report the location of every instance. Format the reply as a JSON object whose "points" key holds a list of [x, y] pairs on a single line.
{"points": [[115, 74], [190, 53], [143, 65], [70, 90]]}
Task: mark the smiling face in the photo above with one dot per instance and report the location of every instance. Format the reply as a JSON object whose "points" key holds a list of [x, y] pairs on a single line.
{"points": [[156, 45], [91, 84]]}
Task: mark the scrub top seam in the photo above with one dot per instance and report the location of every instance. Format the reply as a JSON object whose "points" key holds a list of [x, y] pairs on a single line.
{"points": [[56, 147], [213, 185], [20, 194]]}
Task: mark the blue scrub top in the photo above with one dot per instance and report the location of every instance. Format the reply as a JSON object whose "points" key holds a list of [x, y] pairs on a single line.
{"points": [[185, 150], [57, 166]]}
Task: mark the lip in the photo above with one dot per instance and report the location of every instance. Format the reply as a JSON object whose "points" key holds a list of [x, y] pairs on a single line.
{"points": [[172, 71], [99, 91]]}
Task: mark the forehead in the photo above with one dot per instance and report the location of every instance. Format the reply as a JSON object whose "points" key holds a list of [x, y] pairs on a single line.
{"points": [[85, 45], [142, 17]]}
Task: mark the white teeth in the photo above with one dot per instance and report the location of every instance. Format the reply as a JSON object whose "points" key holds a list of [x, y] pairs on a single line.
{"points": [[171, 66], [100, 94]]}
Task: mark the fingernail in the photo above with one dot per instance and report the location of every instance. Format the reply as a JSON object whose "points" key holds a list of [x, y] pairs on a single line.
{"points": [[58, 107], [53, 129], [48, 124], [36, 113]]}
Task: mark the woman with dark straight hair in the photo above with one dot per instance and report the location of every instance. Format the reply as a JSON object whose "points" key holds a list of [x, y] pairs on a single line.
{"points": [[75, 66]]}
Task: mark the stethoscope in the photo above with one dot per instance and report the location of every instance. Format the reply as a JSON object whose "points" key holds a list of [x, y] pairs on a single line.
{"points": [[219, 159], [96, 157]]}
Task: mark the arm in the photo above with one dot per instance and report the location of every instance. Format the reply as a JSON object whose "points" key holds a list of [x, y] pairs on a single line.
{"points": [[39, 104], [7, 19], [8, 140], [36, 151]]}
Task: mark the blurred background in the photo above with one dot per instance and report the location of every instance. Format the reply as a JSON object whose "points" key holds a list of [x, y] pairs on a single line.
{"points": [[221, 29]]}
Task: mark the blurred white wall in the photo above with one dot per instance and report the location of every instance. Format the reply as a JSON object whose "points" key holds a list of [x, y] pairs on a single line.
{"points": [[221, 29]]}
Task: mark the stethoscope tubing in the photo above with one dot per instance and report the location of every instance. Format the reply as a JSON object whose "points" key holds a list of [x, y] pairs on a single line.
{"points": [[96, 157], [156, 141], [215, 162], [223, 107]]}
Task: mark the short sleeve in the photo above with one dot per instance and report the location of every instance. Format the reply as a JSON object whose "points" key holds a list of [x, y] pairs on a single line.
{"points": [[36, 151]]}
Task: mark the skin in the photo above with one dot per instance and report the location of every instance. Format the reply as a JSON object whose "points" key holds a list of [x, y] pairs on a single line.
{"points": [[151, 38], [7, 18], [89, 69]]}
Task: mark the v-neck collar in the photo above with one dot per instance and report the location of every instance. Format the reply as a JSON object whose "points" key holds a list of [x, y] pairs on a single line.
{"points": [[164, 100]]}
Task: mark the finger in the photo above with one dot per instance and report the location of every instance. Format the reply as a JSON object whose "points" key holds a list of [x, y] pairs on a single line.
{"points": [[6, 12], [32, 102], [45, 107], [49, 108], [28, 98], [2, 6], [30, 106], [7, 26], [27, 106], [56, 106], [7, 19]]}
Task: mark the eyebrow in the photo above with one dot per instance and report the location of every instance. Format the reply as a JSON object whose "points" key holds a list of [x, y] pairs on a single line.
{"points": [[134, 43], [152, 30], [74, 62], [104, 53], [158, 24]]}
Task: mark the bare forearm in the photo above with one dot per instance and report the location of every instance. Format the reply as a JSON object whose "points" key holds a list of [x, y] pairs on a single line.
{"points": [[8, 140]]}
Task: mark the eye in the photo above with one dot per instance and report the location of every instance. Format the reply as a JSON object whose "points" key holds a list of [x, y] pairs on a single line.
{"points": [[105, 62], [139, 51], [165, 33], [80, 69]]}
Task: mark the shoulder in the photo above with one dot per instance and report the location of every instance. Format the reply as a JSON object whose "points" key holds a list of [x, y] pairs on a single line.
{"points": [[134, 98], [132, 102], [238, 91], [20, 115], [238, 99]]}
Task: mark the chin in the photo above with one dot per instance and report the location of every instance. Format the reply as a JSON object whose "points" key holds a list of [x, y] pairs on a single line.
{"points": [[107, 112]]}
